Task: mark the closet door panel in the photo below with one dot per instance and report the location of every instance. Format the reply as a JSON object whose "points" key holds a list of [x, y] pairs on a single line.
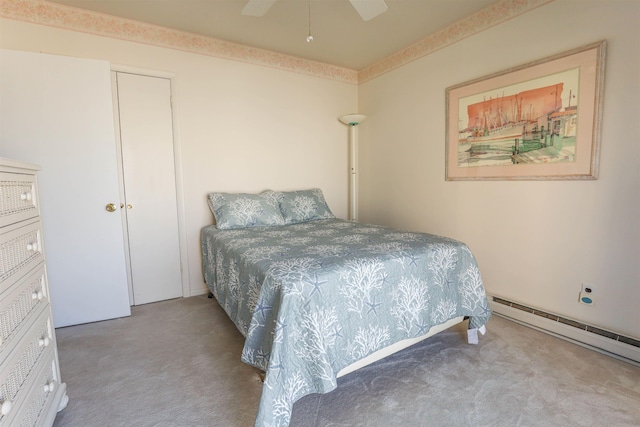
{"points": [[146, 135], [57, 112]]}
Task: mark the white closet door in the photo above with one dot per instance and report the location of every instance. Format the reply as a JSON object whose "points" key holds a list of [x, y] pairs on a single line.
{"points": [[57, 112], [146, 135]]}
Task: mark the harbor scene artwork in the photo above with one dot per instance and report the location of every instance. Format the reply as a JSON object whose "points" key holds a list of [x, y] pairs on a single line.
{"points": [[529, 122], [539, 120]]}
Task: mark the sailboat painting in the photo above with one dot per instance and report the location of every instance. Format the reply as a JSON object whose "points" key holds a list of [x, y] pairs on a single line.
{"points": [[530, 122], [537, 121]]}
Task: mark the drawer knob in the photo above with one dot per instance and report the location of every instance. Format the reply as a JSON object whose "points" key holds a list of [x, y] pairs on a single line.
{"points": [[37, 295], [6, 407], [32, 247], [49, 387], [26, 196], [44, 342]]}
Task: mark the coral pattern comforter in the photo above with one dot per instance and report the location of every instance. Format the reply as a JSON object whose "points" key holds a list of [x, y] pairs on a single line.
{"points": [[314, 297]]}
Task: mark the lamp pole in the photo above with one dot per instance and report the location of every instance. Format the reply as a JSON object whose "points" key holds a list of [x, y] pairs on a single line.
{"points": [[353, 120]]}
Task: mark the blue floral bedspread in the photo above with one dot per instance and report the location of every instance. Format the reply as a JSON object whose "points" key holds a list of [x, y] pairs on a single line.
{"points": [[314, 297]]}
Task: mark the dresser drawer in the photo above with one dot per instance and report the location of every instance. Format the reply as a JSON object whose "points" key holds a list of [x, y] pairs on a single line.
{"points": [[24, 362], [20, 251], [19, 305], [18, 196], [40, 393], [31, 392]]}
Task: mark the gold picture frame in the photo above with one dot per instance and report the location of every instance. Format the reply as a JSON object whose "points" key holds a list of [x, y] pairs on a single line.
{"points": [[537, 121]]}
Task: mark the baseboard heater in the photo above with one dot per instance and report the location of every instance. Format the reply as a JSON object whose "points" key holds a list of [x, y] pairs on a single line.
{"points": [[614, 344]]}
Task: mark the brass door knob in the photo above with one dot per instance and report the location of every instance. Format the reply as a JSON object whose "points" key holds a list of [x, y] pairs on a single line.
{"points": [[111, 207]]}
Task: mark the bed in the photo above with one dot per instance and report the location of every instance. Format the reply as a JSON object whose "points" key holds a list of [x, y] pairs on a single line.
{"points": [[317, 297]]}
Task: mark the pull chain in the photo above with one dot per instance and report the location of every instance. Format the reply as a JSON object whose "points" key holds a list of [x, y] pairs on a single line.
{"points": [[309, 36]]}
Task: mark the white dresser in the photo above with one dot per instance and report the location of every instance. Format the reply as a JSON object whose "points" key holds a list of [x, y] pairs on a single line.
{"points": [[31, 392]]}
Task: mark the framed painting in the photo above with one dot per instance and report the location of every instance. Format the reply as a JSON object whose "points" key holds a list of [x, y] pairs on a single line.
{"points": [[540, 120]]}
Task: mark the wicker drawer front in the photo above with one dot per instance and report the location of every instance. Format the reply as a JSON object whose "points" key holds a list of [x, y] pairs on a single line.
{"points": [[23, 363], [20, 304], [39, 394], [20, 250], [18, 195], [30, 389]]}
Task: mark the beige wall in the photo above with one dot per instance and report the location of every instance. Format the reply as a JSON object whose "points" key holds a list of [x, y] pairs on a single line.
{"points": [[242, 127], [536, 242]]}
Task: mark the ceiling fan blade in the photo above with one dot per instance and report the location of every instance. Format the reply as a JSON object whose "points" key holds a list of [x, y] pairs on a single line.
{"points": [[369, 9], [257, 7]]}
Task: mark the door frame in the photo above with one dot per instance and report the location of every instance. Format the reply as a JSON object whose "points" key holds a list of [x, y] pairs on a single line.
{"points": [[177, 159]]}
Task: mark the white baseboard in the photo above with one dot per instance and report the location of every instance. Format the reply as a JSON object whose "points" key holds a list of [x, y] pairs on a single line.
{"points": [[199, 291], [611, 347]]}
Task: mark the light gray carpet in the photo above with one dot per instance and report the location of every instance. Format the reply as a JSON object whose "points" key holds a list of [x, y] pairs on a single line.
{"points": [[177, 363]]}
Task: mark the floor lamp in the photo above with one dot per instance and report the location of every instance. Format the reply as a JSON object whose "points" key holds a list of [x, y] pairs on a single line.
{"points": [[353, 120]]}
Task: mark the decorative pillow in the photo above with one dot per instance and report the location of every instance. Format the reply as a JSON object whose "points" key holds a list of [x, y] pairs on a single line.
{"points": [[304, 205], [240, 210]]}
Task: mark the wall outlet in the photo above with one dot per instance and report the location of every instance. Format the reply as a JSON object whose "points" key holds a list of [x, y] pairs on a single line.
{"points": [[588, 288], [587, 294]]}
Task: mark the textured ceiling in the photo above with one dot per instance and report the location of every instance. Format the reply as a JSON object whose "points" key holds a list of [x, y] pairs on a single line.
{"points": [[341, 37]]}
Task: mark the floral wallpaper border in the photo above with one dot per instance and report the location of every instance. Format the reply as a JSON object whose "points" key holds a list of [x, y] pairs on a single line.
{"points": [[74, 19], [495, 14]]}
